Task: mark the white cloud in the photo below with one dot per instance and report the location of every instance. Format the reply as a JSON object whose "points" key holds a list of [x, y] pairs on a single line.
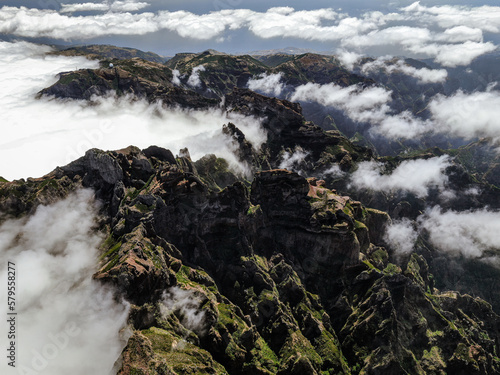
{"points": [[64, 317], [268, 84], [176, 77], [334, 172], [47, 23], [127, 6], [468, 115], [391, 30], [360, 104], [194, 79], [186, 305], [402, 126], [348, 58], [468, 233], [486, 18], [452, 55], [115, 6], [462, 115], [84, 7], [460, 34], [415, 176], [400, 35], [59, 131], [392, 65], [368, 105], [401, 236], [293, 161]]}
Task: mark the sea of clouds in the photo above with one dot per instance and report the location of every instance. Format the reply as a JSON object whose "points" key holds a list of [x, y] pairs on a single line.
{"points": [[65, 322], [40, 134]]}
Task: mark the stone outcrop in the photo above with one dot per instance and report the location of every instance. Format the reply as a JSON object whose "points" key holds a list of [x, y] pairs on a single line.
{"points": [[289, 276]]}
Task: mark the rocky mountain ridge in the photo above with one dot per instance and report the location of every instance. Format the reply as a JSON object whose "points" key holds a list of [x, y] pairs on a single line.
{"points": [[287, 273], [290, 277]]}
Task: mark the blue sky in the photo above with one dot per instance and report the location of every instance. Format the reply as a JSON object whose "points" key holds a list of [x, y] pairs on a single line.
{"points": [[428, 29]]}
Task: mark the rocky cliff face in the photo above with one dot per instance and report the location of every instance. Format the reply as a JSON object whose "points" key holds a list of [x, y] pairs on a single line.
{"points": [[278, 274], [287, 276]]}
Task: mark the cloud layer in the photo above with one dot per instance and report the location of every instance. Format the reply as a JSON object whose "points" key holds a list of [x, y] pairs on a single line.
{"points": [[423, 75], [469, 233], [468, 115], [415, 176], [451, 35], [460, 115], [58, 132], [267, 84], [64, 317], [401, 236], [105, 6], [360, 104]]}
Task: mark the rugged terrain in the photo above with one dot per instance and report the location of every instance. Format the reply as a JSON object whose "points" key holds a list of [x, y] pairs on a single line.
{"points": [[289, 276], [285, 273]]}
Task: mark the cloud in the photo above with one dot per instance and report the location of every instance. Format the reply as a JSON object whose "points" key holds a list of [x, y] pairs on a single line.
{"points": [[293, 161], [451, 35], [401, 236], [84, 7], [402, 126], [60, 131], [267, 84], [423, 75], [468, 115], [360, 104], [186, 305], [452, 55], [462, 115], [333, 172], [115, 6], [486, 18], [365, 104], [35, 23], [64, 316], [461, 34], [194, 79], [127, 6], [176, 77], [473, 234], [414, 176], [422, 42], [348, 58]]}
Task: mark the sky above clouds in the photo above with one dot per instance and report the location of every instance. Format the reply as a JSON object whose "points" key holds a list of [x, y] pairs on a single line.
{"points": [[450, 34]]}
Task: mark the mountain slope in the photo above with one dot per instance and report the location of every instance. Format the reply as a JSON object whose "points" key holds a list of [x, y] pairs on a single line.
{"points": [[272, 272], [289, 276]]}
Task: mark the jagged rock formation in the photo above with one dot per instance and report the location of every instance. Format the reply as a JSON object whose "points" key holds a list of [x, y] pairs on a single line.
{"points": [[285, 275], [136, 77], [290, 277], [289, 132]]}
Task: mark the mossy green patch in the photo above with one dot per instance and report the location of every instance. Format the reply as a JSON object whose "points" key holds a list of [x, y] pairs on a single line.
{"points": [[182, 356], [116, 247], [253, 210], [297, 345], [391, 269]]}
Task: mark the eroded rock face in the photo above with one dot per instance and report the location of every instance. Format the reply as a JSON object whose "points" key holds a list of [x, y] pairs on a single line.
{"points": [[135, 77], [289, 276]]}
